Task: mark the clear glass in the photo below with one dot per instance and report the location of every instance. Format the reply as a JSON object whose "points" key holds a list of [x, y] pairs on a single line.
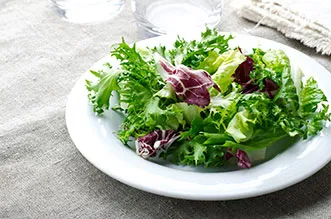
{"points": [[158, 17], [88, 11]]}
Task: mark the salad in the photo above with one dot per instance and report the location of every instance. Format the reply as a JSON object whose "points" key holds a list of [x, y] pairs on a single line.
{"points": [[203, 103]]}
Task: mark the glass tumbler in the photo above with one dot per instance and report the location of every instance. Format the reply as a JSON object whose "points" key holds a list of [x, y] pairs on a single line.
{"points": [[88, 11], [158, 17]]}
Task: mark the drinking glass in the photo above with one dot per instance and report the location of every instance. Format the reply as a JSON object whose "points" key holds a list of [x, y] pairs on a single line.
{"points": [[158, 17], [88, 11]]}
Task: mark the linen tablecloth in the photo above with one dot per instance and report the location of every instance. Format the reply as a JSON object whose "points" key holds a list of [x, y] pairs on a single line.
{"points": [[43, 175], [311, 27]]}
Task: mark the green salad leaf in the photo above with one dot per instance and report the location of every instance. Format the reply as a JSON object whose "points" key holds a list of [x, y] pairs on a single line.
{"points": [[101, 90], [227, 63], [192, 53]]}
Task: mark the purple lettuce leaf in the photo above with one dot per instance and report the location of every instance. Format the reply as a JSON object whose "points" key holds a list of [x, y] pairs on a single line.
{"points": [[270, 88], [249, 87], [242, 73], [189, 85], [152, 144], [243, 159], [242, 76]]}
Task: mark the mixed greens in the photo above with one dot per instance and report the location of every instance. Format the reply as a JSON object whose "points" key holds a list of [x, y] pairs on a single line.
{"points": [[203, 103]]}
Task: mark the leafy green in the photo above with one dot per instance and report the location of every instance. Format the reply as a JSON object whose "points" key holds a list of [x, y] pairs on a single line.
{"points": [[190, 112], [316, 123], [310, 114], [241, 127], [262, 139], [166, 92], [276, 60], [101, 90], [168, 118], [268, 65], [188, 153], [259, 106], [193, 130], [192, 53], [309, 97], [216, 138], [195, 153], [211, 62], [287, 97], [138, 81], [227, 64]]}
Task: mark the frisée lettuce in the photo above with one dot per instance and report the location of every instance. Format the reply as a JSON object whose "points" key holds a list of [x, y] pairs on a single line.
{"points": [[201, 102]]}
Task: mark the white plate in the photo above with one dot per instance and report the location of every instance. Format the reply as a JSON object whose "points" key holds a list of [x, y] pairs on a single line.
{"points": [[95, 139]]}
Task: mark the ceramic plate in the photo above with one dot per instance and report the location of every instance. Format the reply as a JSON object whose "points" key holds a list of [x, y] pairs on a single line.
{"points": [[95, 139]]}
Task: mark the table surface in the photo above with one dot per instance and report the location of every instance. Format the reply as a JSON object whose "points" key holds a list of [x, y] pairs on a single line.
{"points": [[43, 175]]}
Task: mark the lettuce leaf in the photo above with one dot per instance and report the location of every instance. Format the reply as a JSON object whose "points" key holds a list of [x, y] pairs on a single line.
{"points": [[211, 62], [194, 152], [168, 118], [192, 53], [310, 98], [101, 90], [228, 63], [276, 60], [190, 112], [286, 96], [241, 127], [243, 160]]}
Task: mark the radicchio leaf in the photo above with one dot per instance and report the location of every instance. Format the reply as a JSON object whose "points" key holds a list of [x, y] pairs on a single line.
{"points": [[242, 76], [242, 73], [243, 159], [152, 144], [190, 85], [249, 87], [270, 88]]}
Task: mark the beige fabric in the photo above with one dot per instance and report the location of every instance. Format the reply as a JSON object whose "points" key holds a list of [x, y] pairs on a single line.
{"points": [[305, 20], [42, 174]]}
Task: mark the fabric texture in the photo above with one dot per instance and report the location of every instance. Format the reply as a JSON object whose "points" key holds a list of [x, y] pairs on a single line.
{"points": [[305, 20], [43, 175]]}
